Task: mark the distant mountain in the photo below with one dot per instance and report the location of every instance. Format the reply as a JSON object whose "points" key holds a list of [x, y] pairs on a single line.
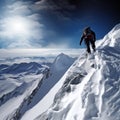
{"points": [[89, 90], [18, 82], [61, 62], [23, 59], [24, 84], [22, 67]]}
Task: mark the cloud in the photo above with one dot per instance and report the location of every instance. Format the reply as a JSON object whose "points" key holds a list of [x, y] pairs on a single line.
{"points": [[32, 29], [43, 5], [60, 7], [57, 46], [54, 5], [25, 55], [19, 7], [29, 31], [39, 29]]}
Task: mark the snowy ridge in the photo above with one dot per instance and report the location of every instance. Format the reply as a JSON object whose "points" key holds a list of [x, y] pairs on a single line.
{"points": [[61, 61], [90, 89]]}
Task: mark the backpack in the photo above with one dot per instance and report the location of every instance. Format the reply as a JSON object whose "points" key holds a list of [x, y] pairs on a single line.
{"points": [[88, 34]]}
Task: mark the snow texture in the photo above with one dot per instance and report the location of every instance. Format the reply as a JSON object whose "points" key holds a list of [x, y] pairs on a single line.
{"points": [[90, 89]]}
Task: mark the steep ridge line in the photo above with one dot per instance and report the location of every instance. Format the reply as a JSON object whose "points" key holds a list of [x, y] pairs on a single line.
{"points": [[78, 78], [91, 91]]}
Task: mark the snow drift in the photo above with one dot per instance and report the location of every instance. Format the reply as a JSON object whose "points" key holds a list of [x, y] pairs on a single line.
{"points": [[90, 89]]}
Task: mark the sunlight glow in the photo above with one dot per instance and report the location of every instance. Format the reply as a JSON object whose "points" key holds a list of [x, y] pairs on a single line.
{"points": [[20, 31], [18, 26]]}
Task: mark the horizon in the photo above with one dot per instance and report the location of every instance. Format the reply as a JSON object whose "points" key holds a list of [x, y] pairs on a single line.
{"points": [[41, 52]]}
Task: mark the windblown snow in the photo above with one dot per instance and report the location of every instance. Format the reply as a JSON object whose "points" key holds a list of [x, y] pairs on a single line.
{"points": [[84, 89]]}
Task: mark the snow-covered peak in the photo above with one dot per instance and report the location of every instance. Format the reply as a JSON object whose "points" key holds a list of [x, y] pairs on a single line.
{"points": [[62, 58], [117, 27], [112, 38], [62, 61]]}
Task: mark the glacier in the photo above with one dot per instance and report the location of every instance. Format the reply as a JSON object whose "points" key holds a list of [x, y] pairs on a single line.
{"points": [[89, 90]]}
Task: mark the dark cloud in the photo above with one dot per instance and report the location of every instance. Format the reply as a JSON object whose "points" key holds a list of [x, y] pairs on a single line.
{"points": [[66, 18], [79, 9]]}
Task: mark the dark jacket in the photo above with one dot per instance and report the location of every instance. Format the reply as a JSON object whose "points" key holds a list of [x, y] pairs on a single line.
{"points": [[88, 34]]}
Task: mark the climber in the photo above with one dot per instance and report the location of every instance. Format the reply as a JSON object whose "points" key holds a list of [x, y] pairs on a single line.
{"points": [[89, 38]]}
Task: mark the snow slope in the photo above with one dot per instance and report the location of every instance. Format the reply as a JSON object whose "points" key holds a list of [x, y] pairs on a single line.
{"points": [[18, 82], [58, 68], [90, 89]]}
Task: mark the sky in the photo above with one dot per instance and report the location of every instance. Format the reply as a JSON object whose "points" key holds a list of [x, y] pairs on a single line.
{"points": [[54, 23]]}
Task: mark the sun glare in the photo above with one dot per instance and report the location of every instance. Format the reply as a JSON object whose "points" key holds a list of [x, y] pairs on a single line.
{"points": [[18, 26], [20, 31]]}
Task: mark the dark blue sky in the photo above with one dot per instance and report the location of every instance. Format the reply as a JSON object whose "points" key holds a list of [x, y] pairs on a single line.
{"points": [[60, 22]]}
